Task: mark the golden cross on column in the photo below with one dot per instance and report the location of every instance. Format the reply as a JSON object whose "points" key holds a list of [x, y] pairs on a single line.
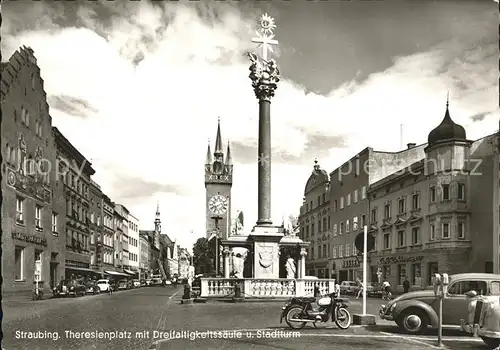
{"points": [[265, 35]]}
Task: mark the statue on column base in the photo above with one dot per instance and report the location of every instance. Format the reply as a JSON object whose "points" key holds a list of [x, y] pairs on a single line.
{"points": [[290, 268], [238, 264]]}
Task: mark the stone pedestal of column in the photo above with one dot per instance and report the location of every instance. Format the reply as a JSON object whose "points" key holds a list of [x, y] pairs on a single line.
{"points": [[364, 320]]}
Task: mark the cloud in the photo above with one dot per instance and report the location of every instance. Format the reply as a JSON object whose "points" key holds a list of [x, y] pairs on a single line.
{"points": [[157, 77], [71, 105], [135, 188]]}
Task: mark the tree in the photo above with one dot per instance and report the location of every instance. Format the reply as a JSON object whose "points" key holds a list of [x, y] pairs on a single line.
{"points": [[202, 256]]}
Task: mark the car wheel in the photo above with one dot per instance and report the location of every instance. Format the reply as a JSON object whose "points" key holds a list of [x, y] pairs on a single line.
{"points": [[413, 321], [492, 343]]}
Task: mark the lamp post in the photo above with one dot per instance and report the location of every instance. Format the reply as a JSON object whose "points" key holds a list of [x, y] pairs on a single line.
{"points": [[216, 232]]}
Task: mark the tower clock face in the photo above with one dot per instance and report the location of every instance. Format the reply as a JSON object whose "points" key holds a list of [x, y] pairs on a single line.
{"points": [[218, 204]]}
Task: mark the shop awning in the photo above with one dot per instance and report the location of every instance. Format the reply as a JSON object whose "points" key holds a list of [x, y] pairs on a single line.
{"points": [[80, 269], [114, 273], [130, 272]]}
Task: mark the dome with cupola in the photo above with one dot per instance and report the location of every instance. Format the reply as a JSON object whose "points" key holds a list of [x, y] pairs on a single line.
{"points": [[318, 177], [448, 130]]}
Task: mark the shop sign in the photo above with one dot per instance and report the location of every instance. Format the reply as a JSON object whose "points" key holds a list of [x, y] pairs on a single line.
{"points": [[350, 263], [29, 238], [400, 259]]}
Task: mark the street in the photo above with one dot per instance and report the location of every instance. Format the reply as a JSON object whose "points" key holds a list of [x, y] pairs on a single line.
{"points": [[153, 318]]}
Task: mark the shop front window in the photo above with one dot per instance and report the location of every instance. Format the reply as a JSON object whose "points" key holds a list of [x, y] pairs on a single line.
{"points": [[401, 273], [417, 274], [386, 272], [432, 269]]}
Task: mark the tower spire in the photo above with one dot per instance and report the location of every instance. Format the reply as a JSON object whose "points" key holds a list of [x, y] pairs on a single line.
{"points": [[157, 218], [218, 140], [229, 160], [448, 99], [209, 154]]}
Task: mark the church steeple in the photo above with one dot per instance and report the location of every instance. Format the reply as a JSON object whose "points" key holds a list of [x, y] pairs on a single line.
{"points": [[209, 154], [218, 141], [229, 160], [157, 218]]}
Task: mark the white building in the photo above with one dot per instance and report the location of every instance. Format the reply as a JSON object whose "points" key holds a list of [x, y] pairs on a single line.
{"points": [[133, 243]]}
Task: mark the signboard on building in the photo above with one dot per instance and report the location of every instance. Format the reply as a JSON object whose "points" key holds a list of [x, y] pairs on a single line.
{"points": [[350, 263], [400, 259]]}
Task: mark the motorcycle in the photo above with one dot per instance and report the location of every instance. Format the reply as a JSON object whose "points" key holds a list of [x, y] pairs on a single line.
{"points": [[299, 311]]}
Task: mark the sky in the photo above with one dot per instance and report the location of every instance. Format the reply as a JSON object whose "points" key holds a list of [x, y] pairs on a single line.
{"points": [[137, 87]]}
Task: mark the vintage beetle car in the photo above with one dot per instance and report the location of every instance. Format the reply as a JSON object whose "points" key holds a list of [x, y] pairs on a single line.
{"points": [[483, 319], [415, 311]]}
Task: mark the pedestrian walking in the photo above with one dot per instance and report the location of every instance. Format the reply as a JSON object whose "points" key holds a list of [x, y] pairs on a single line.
{"points": [[360, 290], [406, 285]]}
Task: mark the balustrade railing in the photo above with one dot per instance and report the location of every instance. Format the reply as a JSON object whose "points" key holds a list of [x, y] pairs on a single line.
{"points": [[265, 287]]}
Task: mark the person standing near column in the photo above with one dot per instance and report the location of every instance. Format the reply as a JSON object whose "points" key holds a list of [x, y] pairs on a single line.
{"points": [[406, 286]]}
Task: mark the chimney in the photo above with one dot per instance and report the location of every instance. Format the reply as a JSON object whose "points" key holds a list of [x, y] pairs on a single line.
{"points": [[411, 145]]}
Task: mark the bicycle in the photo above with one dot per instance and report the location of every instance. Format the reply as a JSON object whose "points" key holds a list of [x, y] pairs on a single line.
{"points": [[387, 296]]}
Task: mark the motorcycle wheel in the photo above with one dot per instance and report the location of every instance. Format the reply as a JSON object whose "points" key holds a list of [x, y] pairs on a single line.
{"points": [[294, 312], [342, 318]]}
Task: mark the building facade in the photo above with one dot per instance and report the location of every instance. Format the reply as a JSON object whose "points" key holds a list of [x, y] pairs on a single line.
{"points": [[218, 184], [121, 237], [33, 208], [435, 215], [75, 176], [108, 235], [96, 227], [133, 245], [154, 243], [169, 255], [349, 205], [143, 256], [315, 222]]}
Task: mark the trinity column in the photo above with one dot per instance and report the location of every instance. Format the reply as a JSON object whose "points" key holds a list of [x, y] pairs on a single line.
{"points": [[264, 74]]}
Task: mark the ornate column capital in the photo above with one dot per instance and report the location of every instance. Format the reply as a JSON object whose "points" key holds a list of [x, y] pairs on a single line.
{"points": [[303, 252], [265, 76], [226, 251]]}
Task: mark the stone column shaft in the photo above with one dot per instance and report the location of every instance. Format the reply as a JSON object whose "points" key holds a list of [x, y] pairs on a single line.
{"points": [[264, 173]]}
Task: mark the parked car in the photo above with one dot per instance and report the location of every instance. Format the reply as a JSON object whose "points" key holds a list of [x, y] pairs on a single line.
{"points": [[136, 283], [92, 287], [123, 285], [76, 288], [156, 280], [483, 319], [104, 285], [413, 312], [61, 289], [373, 289], [149, 282], [348, 287], [143, 283]]}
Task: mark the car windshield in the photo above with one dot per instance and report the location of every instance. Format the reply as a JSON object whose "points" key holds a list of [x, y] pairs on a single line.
{"points": [[353, 283], [102, 281]]}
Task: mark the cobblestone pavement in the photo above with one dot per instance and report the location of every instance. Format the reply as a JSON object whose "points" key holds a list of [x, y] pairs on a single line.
{"points": [[146, 318]]}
